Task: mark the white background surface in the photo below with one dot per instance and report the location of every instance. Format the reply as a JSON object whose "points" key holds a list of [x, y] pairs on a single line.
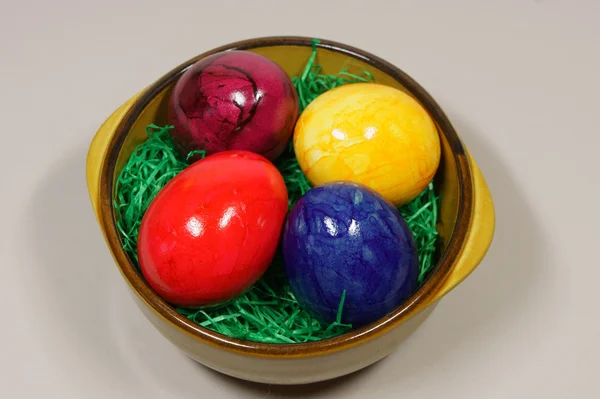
{"points": [[520, 81]]}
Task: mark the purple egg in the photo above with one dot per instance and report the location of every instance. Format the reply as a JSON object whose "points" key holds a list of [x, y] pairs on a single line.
{"points": [[233, 100], [345, 237]]}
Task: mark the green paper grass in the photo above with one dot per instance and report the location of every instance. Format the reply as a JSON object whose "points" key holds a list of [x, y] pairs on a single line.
{"points": [[268, 311]]}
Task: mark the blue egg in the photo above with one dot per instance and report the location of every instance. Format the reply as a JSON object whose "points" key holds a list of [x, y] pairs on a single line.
{"points": [[341, 237]]}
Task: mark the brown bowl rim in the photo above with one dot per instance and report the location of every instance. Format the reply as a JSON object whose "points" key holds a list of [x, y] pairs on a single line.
{"points": [[415, 303]]}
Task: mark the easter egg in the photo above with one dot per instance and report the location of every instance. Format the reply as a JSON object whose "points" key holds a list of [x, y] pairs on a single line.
{"points": [[213, 230], [370, 134], [343, 236], [233, 100]]}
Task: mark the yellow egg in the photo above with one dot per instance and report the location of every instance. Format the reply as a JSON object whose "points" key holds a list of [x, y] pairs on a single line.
{"points": [[371, 134]]}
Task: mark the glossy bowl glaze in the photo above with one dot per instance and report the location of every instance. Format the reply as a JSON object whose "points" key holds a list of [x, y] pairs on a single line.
{"points": [[466, 227]]}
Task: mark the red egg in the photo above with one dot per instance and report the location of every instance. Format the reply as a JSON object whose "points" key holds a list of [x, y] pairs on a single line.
{"points": [[213, 230]]}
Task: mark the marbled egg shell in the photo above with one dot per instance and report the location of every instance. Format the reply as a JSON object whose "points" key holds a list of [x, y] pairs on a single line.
{"points": [[344, 236], [233, 100], [371, 134]]}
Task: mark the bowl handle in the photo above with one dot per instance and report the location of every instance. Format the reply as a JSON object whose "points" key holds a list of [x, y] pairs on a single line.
{"points": [[97, 152], [479, 237], [478, 241]]}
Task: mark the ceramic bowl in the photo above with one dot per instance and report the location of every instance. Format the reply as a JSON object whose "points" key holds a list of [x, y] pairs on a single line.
{"points": [[466, 227]]}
